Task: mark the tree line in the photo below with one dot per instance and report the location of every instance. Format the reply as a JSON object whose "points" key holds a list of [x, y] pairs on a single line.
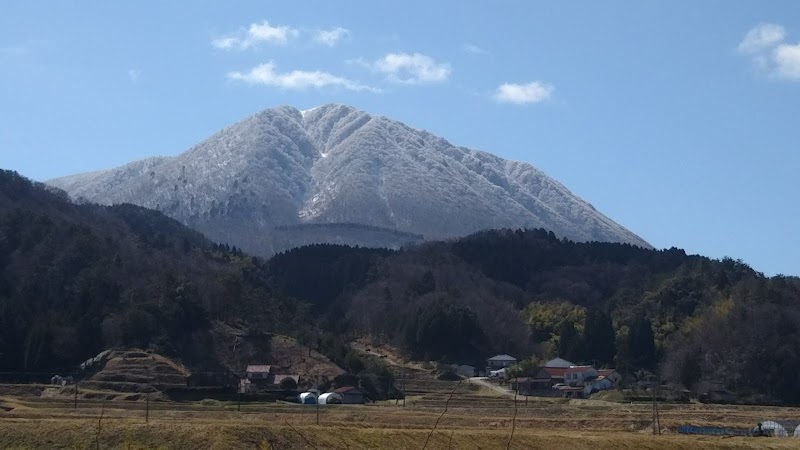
{"points": [[76, 279]]}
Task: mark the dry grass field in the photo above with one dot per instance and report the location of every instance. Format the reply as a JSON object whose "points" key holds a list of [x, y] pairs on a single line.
{"points": [[476, 418]]}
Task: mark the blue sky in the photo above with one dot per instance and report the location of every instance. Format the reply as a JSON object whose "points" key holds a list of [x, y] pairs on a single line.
{"points": [[678, 119]]}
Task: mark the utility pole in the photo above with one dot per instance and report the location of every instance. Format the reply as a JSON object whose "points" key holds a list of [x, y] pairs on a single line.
{"points": [[75, 406], [317, 410], [147, 407], [656, 421], [403, 386]]}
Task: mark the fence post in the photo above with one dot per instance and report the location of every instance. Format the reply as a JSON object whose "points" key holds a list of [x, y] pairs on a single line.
{"points": [[147, 407]]}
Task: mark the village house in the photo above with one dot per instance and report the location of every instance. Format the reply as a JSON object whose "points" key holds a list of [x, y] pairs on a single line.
{"points": [[500, 362], [560, 363], [350, 395], [575, 375], [582, 381], [540, 385], [258, 372]]}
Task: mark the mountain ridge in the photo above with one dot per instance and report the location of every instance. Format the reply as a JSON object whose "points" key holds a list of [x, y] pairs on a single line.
{"points": [[337, 164]]}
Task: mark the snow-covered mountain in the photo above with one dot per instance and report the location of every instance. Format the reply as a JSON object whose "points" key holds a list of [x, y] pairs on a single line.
{"points": [[359, 179]]}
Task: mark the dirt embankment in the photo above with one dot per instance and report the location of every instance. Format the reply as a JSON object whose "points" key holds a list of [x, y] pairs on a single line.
{"points": [[236, 348]]}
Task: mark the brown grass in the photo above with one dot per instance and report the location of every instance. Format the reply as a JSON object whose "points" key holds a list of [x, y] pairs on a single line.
{"points": [[484, 423], [233, 434]]}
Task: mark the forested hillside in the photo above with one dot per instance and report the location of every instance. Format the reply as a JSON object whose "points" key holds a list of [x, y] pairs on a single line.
{"points": [[75, 279], [647, 313]]}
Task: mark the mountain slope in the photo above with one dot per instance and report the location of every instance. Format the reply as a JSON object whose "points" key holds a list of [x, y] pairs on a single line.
{"points": [[77, 279], [333, 165]]}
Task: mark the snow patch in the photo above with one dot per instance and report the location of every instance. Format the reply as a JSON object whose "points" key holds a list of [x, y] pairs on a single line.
{"points": [[305, 112]]}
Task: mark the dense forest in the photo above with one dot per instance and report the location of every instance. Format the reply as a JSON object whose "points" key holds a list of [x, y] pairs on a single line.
{"points": [[75, 279]]}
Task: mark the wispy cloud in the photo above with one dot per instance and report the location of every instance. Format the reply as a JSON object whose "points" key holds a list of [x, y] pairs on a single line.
{"points": [[521, 94], [265, 74], [409, 68], [14, 50], [761, 37], [474, 49], [134, 75], [331, 37], [255, 35], [764, 44]]}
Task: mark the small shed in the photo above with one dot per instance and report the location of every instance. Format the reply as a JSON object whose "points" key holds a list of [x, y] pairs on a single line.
{"points": [[330, 398], [350, 395], [307, 398], [246, 386], [465, 370]]}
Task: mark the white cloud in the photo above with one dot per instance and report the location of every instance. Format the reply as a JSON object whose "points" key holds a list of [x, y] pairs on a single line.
{"points": [[134, 75], [331, 37], [761, 37], [410, 68], [787, 61], [255, 35], [265, 74], [520, 94], [770, 55], [474, 49]]}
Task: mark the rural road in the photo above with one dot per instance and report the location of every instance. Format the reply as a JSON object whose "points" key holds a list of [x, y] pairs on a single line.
{"points": [[484, 382]]}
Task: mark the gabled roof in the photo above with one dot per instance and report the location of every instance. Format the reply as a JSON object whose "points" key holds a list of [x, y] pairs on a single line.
{"points": [[605, 372], [502, 358], [555, 372], [559, 362], [346, 389], [579, 369], [259, 368]]}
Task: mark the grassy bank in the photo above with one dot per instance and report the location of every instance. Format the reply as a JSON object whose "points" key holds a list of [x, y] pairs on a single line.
{"points": [[125, 434]]}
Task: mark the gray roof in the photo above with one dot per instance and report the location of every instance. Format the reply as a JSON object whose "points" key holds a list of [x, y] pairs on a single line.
{"points": [[559, 362], [502, 358]]}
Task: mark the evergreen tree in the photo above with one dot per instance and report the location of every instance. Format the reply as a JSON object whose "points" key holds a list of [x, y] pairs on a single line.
{"points": [[570, 344], [599, 338], [641, 345]]}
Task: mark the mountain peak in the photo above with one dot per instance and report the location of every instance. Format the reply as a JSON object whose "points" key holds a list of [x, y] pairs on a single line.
{"points": [[335, 164]]}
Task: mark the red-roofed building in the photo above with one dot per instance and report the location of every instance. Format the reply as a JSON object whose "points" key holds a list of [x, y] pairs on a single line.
{"points": [[556, 373], [350, 395]]}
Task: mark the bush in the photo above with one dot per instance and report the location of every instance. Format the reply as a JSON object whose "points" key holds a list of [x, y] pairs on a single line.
{"points": [[448, 375], [288, 384]]}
